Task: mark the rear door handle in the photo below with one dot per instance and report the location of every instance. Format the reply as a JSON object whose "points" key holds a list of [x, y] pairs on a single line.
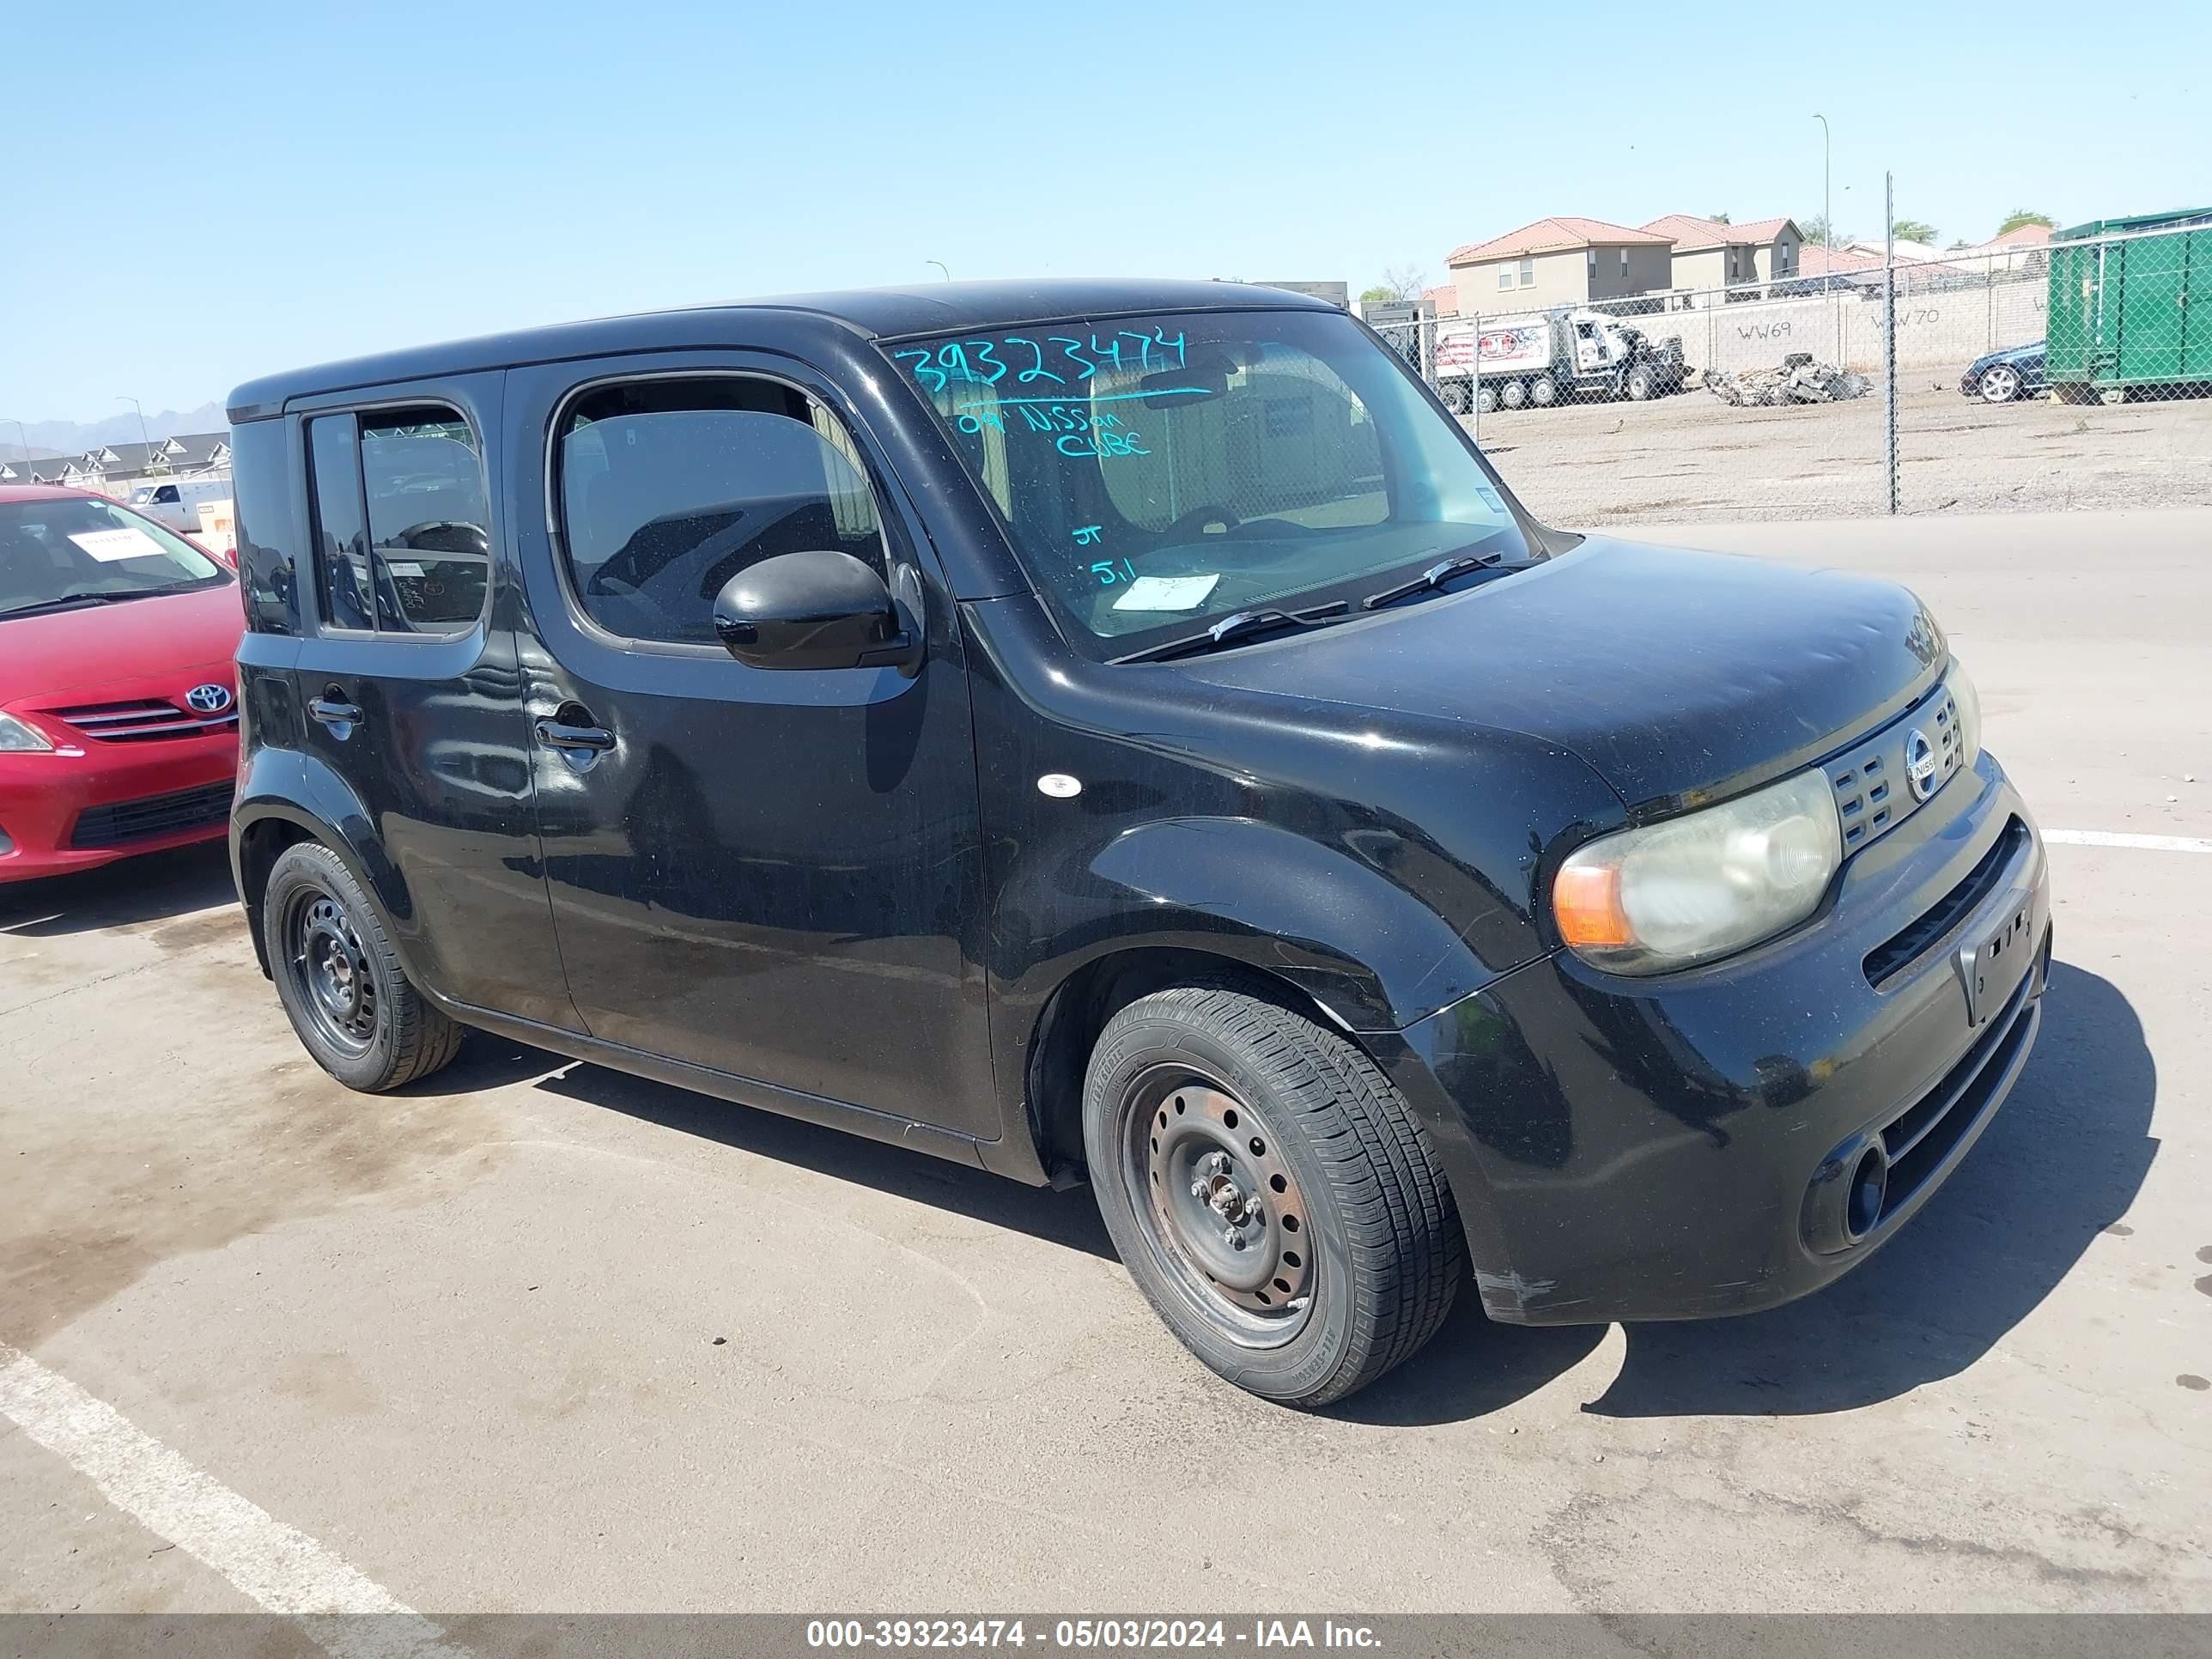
{"points": [[333, 713]]}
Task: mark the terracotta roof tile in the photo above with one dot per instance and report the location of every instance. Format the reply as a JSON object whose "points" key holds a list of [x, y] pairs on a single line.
{"points": [[1552, 235]]}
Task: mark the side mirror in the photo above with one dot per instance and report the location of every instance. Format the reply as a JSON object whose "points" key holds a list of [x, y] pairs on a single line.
{"points": [[816, 610]]}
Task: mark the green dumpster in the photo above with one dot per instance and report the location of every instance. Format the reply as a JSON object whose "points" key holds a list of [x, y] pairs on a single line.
{"points": [[2131, 305]]}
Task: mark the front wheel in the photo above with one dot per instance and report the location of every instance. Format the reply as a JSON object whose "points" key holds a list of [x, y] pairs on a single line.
{"points": [[2000, 384], [1637, 386], [1270, 1192], [340, 980]]}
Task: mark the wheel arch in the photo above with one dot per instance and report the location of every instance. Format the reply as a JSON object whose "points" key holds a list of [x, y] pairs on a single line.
{"points": [[285, 798], [1066, 1029]]}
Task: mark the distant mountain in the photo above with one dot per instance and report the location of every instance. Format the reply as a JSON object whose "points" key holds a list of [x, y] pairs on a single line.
{"points": [[74, 437]]}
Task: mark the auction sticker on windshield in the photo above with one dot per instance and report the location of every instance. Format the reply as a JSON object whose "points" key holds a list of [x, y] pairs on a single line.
{"points": [[111, 546], [1166, 593]]}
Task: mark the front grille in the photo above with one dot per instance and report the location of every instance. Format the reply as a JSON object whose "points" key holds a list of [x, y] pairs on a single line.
{"points": [[156, 815], [1919, 1138], [1886, 961], [1874, 794], [148, 720]]}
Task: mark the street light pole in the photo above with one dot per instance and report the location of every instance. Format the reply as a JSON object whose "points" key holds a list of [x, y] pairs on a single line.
{"points": [[940, 263], [21, 436], [121, 399], [1827, 206]]}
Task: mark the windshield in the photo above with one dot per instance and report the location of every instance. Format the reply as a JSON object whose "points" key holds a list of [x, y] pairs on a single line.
{"points": [[1160, 473], [82, 550]]}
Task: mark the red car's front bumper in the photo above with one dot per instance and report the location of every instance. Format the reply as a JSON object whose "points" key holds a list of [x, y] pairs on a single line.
{"points": [[93, 800]]}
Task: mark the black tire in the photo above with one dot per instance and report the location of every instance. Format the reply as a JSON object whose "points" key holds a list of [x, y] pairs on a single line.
{"points": [[1454, 395], [1485, 399], [1543, 391], [340, 980], [1637, 386], [1355, 1241], [1513, 394]]}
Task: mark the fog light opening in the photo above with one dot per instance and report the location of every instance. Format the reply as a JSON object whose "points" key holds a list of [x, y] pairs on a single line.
{"points": [[1870, 1184]]}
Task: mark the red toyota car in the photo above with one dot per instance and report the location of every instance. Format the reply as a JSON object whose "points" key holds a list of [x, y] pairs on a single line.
{"points": [[118, 698]]}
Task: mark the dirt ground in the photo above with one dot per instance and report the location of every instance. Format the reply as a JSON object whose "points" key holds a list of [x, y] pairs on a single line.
{"points": [[1691, 457]]}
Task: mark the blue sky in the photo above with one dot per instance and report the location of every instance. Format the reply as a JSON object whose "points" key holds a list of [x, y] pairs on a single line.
{"points": [[321, 180]]}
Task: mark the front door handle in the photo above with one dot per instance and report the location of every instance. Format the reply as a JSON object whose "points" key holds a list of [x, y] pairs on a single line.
{"points": [[575, 741]]}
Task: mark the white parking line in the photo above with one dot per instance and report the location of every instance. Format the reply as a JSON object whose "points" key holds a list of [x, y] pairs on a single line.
{"points": [[2139, 843], [278, 1566]]}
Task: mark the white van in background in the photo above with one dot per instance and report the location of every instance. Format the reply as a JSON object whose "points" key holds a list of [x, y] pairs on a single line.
{"points": [[176, 502]]}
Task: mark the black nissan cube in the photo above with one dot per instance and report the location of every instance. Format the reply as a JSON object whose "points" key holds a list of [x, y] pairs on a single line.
{"points": [[1126, 733]]}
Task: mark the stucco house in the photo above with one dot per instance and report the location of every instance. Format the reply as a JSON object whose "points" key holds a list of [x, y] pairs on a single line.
{"points": [[1562, 261], [1710, 254]]}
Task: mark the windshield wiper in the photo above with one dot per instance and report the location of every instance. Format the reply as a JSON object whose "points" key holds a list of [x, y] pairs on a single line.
{"points": [[1235, 628], [70, 601], [1431, 579]]}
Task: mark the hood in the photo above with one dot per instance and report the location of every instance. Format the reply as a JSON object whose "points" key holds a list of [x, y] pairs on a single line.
{"points": [[1679, 677], [136, 640]]}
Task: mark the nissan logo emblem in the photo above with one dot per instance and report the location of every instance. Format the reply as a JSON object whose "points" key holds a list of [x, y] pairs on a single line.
{"points": [[1920, 763], [209, 699]]}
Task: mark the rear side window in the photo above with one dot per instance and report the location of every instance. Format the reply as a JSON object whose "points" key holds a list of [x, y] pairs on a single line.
{"points": [[669, 487], [403, 537]]}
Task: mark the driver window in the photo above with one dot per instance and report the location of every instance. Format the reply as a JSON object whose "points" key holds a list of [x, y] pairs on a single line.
{"points": [[429, 529]]}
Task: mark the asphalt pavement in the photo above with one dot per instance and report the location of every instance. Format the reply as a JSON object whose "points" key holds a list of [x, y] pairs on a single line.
{"points": [[539, 1336]]}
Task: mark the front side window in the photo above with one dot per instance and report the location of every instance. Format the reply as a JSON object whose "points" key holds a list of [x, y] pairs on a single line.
{"points": [[669, 487], [403, 537], [74, 552], [1158, 473]]}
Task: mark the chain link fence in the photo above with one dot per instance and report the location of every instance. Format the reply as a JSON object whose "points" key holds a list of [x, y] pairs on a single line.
{"points": [[2075, 374]]}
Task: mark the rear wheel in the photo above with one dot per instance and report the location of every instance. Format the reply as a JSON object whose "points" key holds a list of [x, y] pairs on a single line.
{"points": [[1485, 399], [1270, 1192], [340, 980], [1454, 393], [1514, 395], [1543, 391], [2112, 395]]}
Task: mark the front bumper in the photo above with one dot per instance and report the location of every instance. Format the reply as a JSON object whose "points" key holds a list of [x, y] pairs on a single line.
{"points": [[1687, 1146], [92, 804]]}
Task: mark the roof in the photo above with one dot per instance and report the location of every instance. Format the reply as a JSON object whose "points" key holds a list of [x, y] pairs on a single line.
{"points": [[1815, 260], [879, 313], [1765, 230], [1552, 236], [2021, 236], [1689, 233], [178, 454], [2140, 221], [1444, 300]]}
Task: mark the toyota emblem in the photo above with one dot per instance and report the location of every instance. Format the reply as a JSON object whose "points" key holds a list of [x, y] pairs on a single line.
{"points": [[1920, 763], [209, 699]]}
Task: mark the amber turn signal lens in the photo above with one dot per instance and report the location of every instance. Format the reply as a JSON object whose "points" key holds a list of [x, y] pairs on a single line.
{"points": [[1586, 902]]}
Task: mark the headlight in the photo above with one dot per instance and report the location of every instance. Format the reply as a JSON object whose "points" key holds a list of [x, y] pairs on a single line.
{"points": [[1701, 885], [20, 737], [1970, 712]]}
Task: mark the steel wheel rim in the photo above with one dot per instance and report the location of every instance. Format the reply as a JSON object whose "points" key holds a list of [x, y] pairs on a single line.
{"points": [[1999, 384], [330, 970], [1226, 1223]]}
